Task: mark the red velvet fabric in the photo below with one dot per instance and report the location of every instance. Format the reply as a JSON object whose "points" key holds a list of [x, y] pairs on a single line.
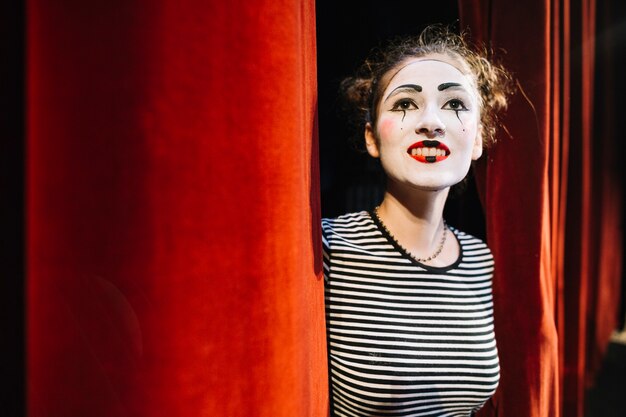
{"points": [[553, 208], [173, 250], [579, 268]]}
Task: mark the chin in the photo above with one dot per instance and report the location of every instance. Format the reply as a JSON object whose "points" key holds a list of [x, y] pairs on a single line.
{"points": [[430, 187], [435, 184]]}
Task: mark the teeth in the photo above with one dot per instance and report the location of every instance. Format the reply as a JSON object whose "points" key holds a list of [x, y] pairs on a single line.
{"points": [[427, 152]]}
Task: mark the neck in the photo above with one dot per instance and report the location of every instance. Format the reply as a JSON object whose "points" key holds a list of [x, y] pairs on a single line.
{"points": [[414, 218], [411, 206]]}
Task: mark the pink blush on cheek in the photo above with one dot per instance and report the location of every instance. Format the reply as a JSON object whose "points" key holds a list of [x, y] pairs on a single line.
{"points": [[387, 127]]}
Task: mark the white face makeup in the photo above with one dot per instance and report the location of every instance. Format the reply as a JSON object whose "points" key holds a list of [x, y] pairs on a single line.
{"points": [[428, 128]]}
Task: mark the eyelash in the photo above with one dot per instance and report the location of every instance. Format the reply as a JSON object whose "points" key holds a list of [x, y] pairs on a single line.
{"points": [[458, 102], [448, 105], [397, 104]]}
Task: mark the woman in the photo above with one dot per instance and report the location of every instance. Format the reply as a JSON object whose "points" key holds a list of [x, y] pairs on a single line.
{"points": [[409, 308]]}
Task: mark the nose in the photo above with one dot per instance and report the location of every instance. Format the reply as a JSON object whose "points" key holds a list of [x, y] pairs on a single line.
{"points": [[429, 124]]}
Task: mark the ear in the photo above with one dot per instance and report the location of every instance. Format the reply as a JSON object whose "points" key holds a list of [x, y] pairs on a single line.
{"points": [[477, 150], [371, 143]]}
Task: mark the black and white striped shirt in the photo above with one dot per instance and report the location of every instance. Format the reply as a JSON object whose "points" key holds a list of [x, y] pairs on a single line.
{"points": [[406, 339]]}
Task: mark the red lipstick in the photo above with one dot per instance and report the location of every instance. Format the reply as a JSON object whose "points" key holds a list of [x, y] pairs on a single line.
{"points": [[428, 151]]}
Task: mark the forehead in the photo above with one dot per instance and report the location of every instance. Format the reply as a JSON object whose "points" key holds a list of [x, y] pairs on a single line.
{"points": [[432, 69]]}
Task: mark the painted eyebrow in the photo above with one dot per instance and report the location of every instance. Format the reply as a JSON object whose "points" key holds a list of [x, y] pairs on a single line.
{"points": [[445, 86], [415, 87]]}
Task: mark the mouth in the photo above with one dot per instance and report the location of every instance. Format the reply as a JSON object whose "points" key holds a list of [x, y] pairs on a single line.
{"points": [[428, 151]]}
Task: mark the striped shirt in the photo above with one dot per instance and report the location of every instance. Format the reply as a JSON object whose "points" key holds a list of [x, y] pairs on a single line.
{"points": [[406, 339]]}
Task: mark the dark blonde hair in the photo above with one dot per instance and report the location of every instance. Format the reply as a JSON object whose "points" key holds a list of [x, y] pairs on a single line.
{"points": [[362, 92]]}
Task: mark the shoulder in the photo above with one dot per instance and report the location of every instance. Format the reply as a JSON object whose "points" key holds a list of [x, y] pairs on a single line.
{"points": [[347, 227], [347, 223], [467, 240], [474, 249]]}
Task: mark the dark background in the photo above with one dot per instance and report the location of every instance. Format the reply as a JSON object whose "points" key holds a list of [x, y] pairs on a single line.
{"points": [[12, 208]]}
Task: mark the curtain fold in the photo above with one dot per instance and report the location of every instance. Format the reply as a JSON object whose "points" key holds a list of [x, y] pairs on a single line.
{"points": [[517, 203], [552, 194], [173, 249], [581, 239]]}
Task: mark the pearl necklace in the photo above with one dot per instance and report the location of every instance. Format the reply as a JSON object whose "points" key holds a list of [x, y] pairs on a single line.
{"points": [[431, 257]]}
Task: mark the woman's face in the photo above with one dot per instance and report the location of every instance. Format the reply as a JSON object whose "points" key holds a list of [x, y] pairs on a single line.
{"points": [[428, 129]]}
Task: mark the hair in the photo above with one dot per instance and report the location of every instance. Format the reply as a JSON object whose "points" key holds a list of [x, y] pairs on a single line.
{"points": [[362, 92]]}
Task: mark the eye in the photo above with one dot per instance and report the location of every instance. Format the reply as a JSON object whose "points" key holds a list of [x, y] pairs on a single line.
{"points": [[404, 105], [456, 105]]}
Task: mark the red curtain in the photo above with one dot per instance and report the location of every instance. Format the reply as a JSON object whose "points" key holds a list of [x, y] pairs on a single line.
{"points": [[173, 254], [553, 204], [173, 250]]}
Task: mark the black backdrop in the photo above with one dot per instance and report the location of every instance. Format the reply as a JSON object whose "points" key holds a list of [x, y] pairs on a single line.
{"points": [[12, 207]]}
